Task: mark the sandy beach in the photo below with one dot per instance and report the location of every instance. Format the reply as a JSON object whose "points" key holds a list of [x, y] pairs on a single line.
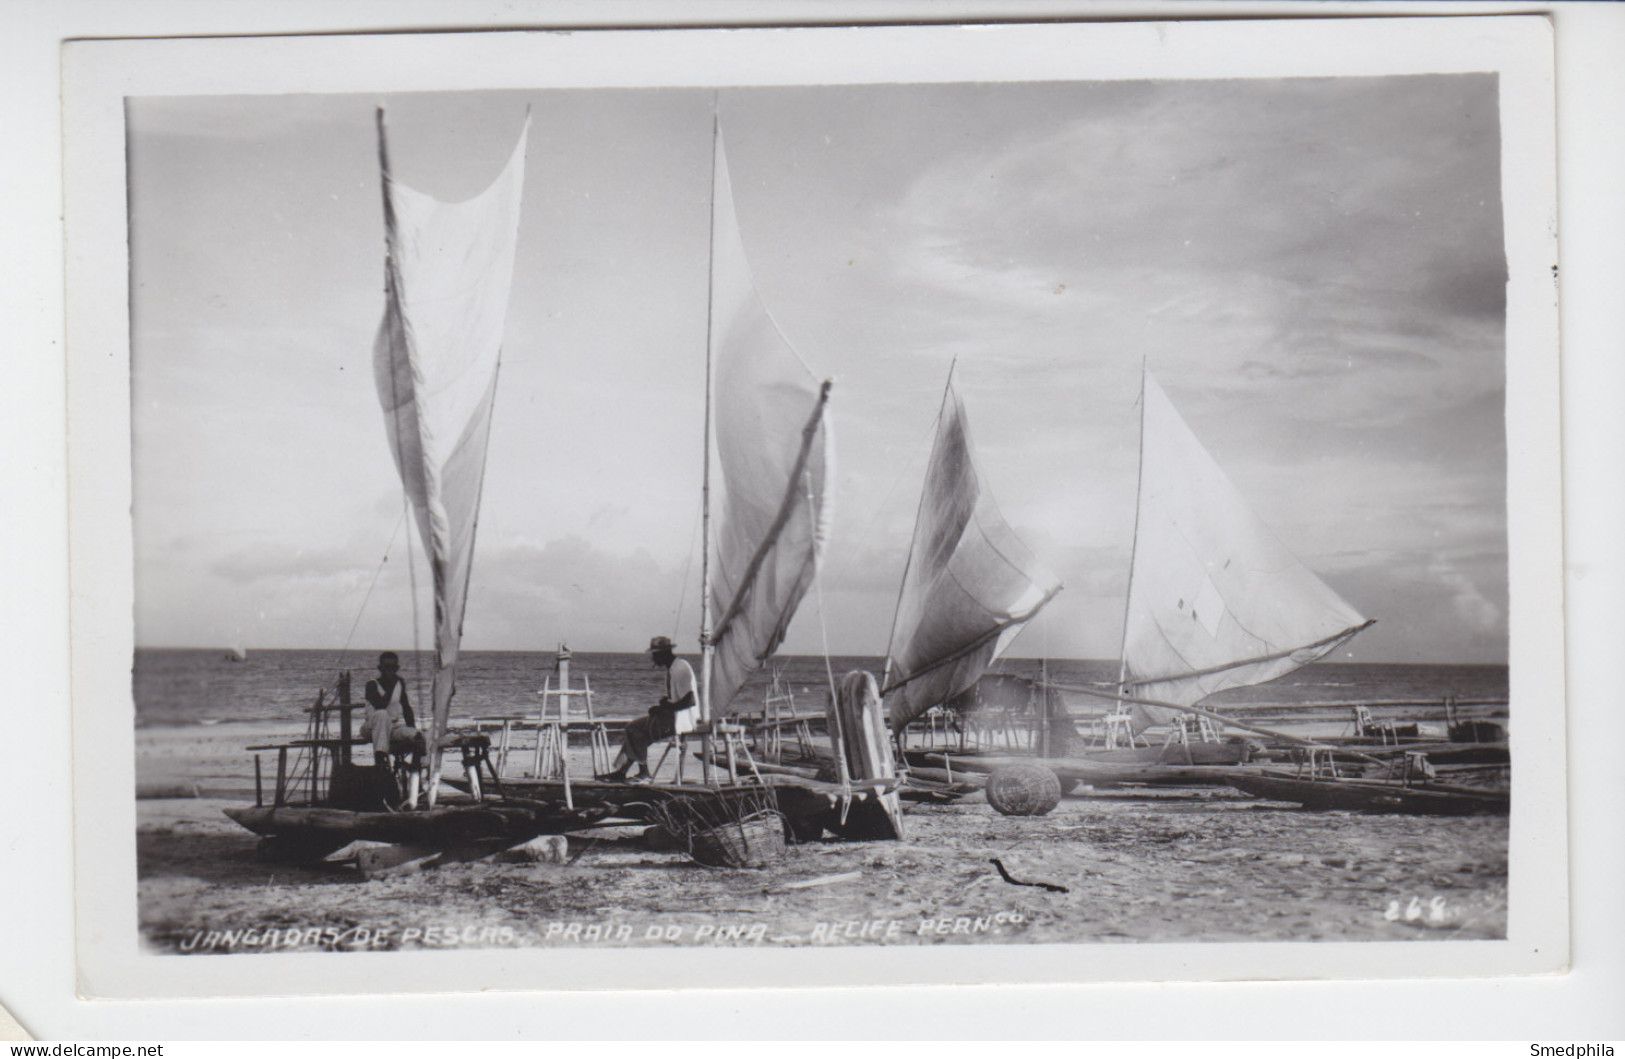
{"points": [[1126, 865]]}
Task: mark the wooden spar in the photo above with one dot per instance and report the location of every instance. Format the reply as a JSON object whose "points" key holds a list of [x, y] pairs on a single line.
{"points": [[1328, 642], [1444, 703], [389, 207], [885, 672], [980, 641], [748, 579], [1219, 717]]}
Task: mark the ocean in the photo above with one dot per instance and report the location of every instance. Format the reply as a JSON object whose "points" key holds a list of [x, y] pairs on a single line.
{"points": [[202, 686]]}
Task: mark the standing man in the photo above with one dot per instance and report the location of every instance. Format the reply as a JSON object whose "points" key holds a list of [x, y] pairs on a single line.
{"points": [[662, 719]]}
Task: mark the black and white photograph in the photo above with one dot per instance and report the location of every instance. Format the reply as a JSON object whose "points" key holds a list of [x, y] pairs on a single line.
{"points": [[961, 511]]}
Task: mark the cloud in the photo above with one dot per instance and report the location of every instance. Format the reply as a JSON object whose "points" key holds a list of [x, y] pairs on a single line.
{"points": [[288, 563], [1430, 605], [1312, 268], [1470, 603], [525, 597], [1265, 210]]}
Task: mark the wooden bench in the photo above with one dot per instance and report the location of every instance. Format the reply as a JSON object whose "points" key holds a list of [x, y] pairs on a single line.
{"points": [[707, 732]]}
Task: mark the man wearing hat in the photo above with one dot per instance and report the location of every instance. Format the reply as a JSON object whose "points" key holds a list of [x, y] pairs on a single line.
{"points": [[662, 719]]}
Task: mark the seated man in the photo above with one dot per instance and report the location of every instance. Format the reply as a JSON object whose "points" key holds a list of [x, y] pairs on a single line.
{"points": [[662, 719], [390, 724]]}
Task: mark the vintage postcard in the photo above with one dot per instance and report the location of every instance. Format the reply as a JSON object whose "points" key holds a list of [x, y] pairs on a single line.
{"points": [[878, 505]]}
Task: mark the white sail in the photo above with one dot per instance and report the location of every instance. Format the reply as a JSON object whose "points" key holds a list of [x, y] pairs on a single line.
{"points": [[447, 275], [970, 584], [1215, 598], [776, 459]]}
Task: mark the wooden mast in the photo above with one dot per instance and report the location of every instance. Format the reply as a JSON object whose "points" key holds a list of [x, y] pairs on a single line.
{"points": [[392, 286], [707, 649], [1134, 545]]}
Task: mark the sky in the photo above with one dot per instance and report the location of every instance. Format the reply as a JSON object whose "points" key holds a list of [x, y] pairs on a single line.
{"points": [[1313, 269]]}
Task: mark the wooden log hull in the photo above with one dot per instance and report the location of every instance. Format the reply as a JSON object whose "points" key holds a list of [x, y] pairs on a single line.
{"points": [[628, 800], [1456, 753], [811, 806], [1171, 754], [1072, 770], [1370, 796], [440, 827]]}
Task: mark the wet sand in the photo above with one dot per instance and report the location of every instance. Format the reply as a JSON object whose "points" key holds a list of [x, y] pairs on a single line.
{"points": [[1117, 866]]}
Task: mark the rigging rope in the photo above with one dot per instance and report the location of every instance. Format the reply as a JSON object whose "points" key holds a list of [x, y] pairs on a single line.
{"points": [[839, 738], [375, 575], [688, 565], [891, 490], [412, 572]]}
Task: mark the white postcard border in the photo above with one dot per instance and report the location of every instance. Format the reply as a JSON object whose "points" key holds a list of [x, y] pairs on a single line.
{"points": [[98, 75]]}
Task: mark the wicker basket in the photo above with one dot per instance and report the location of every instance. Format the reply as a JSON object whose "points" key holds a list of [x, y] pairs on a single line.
{"points": [[735, 827], [754, 842], [1026, 789]]}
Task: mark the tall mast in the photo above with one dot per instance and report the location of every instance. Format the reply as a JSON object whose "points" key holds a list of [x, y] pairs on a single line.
{"points": [[885, 673], [383, 169], [392, 286], [1128, 598], [706, 647]]}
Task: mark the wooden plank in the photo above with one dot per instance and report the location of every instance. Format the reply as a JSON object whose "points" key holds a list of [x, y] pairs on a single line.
{"points": [[299, 744], [821, 880], [543, 849], [382, 862]]}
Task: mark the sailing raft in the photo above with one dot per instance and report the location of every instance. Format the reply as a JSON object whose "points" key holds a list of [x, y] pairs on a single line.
{"points": [[448, 269], [1216, 601], [448, 273]]}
